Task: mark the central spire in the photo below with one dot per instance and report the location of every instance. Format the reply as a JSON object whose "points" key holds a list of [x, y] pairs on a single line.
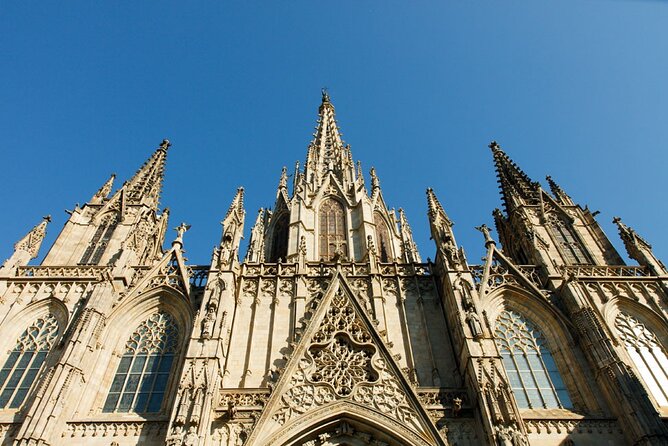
{"points": [[327, 152]]}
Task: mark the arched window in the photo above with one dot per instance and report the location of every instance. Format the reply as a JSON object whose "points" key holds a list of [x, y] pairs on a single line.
{"points": [[647, 354], [332, 227], [279, 242], [567, 241], [142, 375], [383, 237], [25, 361], [533, 375], [98, 244]]}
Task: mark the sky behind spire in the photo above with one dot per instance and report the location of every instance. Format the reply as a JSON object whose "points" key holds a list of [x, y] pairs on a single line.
{"points": [[573, 89]]}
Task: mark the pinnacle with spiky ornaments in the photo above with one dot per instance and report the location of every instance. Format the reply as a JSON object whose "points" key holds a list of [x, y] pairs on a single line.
{"points": [[515, 185], [558, 192], [145, 186], [104, 191], [435, 208], [327, 152], [32, 241], [638, 248], [237, 205]]}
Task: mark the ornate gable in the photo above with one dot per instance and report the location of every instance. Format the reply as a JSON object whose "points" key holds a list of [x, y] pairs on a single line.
{"points": [[341, 361], [170, 271]]}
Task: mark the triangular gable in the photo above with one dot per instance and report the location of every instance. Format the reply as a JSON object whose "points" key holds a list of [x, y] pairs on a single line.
{"points": [[341, 361], [332, 186], [170, 271]]}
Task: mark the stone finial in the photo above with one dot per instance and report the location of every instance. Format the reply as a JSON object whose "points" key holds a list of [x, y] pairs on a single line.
{"points": [[486, 233], [494, 146], [375, 183], [283, 182], [165, 144], [180, 230]]}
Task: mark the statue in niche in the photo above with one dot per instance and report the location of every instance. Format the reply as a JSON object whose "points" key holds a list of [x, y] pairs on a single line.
{"points": [[473, 321], [208, 322]]}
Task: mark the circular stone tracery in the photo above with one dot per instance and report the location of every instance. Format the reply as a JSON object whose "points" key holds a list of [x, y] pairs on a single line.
{"points": [[342, 364]]}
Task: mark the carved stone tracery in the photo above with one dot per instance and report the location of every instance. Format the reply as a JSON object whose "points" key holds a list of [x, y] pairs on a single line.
{"points": [[342, 362]]}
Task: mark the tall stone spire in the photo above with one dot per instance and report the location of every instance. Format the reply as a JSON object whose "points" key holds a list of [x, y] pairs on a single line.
{"points": [[516, 186], [441, 232], [327, 152], [146, 185], [638, 248], [27, 248]]}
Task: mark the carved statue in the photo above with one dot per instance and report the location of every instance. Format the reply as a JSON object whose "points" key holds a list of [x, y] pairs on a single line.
{"points": [[191, 439], [456, 406], [473, 320], [208, 322]]}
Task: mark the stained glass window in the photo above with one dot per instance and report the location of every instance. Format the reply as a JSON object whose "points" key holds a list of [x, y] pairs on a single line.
{"points": [[531, 369], [568, 243], [332, 222], [98, 244], [142, 375], [647, 354], [25, 361]]}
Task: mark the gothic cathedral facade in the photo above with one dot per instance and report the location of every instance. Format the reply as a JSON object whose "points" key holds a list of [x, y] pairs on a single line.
{"points": [[331, 329]]}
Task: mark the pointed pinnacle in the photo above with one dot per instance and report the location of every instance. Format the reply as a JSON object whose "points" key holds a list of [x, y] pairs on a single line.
{"points": [[513, 182], [435, 207], [32, 241], [283, 181], [237, 205], [145, 186], [104, 191]]}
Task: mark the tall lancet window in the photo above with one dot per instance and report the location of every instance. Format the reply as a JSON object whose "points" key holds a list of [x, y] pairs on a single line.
{"points": [[567, 241], [142, 375], [25, 361], [383, 237], [533, 375], [98, 244], [647, 354], [279, 242], [332, 227]]}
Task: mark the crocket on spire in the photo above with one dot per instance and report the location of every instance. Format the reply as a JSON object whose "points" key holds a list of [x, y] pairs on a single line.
{"points": [[515, 185], [146, 185]]}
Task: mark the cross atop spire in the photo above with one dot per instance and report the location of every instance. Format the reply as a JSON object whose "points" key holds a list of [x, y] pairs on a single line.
{"points": [[146, 185], [515, 185], [327, 152]]}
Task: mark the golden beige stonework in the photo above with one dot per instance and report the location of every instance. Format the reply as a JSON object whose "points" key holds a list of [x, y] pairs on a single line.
{"points": [[332, 330]]}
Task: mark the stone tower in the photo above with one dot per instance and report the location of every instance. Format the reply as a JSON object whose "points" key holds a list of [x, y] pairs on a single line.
{"points": [[330, 330]]}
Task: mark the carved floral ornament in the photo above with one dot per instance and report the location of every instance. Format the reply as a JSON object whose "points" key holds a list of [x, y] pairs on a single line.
{"points": [[343, 363]]}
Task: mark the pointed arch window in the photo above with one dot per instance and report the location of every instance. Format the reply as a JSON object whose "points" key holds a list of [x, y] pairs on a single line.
{"points": [[532, 372], [98, 244], [142, 375], [383, 237], [25, 361], [332, 227], [567, 241], [647, 354], [279, 243]]}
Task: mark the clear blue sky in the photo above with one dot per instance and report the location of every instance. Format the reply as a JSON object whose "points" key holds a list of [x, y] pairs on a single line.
{"points": [[574, 88]]}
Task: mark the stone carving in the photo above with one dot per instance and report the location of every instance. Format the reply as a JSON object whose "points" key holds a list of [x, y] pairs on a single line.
{"points": [[342, 362], [115, 429]]}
